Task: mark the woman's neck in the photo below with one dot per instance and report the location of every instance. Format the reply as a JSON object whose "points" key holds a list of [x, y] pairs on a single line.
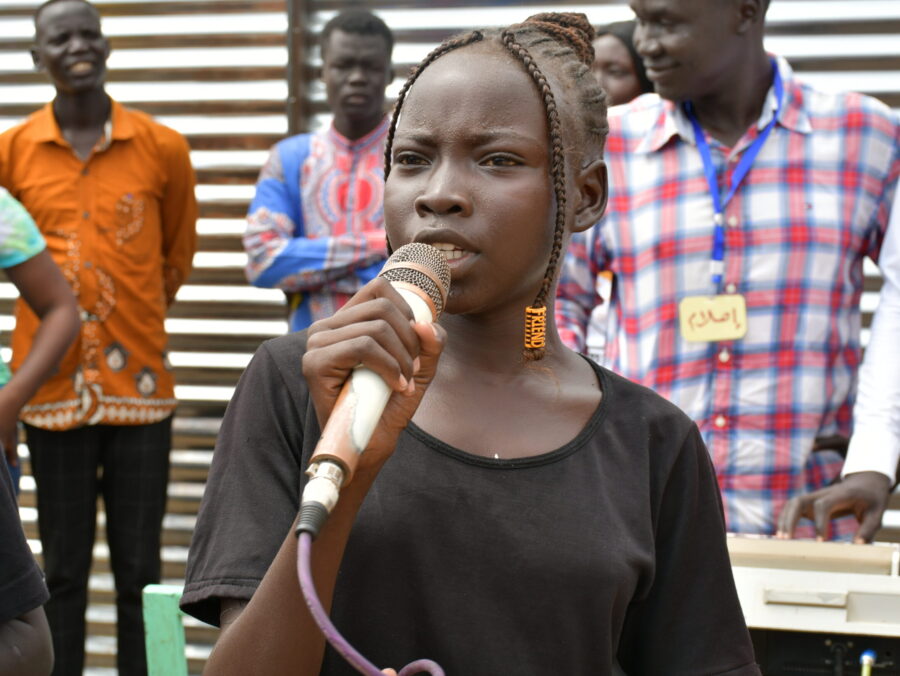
{"points": [[494, 344]]}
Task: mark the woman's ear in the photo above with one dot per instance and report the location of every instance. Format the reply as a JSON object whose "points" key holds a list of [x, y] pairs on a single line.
{"points": [[593, 189]]}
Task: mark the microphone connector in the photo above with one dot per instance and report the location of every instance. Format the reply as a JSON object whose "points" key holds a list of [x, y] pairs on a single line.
{"points": [[320, 495]]}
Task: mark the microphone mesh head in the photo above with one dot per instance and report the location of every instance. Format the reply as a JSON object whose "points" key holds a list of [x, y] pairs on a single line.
{"points": [[436, 284]]}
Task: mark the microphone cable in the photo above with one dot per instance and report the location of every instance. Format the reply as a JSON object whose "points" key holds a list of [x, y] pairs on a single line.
{"points": [[421, 276], [332, 635]]}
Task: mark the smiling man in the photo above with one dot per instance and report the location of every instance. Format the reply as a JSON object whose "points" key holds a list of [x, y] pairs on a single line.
{"points": [[316, 226], [112, 192], [742, 193]]}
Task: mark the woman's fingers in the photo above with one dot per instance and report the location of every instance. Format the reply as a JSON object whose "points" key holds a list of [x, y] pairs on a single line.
{"points": [[374, 330]]}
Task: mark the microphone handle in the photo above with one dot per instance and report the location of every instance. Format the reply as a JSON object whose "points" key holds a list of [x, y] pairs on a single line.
{"points": [[359, 406], [351, 425]]}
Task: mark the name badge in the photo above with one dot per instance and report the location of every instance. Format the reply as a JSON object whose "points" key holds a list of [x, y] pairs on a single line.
{"points": [[705, 319]]}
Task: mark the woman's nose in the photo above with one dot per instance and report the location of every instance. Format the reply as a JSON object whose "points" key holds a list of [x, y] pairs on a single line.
{"points": [[444, 195]]}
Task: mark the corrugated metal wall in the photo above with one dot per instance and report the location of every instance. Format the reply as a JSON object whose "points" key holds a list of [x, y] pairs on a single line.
{"points": [[235, 76]]}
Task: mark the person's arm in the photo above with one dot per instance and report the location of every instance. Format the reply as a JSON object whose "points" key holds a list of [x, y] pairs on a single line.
{"points": [[279, 255], [45, 290], [178, 212], [872, 456], [26, 648], [274, 632], [576, 295]]}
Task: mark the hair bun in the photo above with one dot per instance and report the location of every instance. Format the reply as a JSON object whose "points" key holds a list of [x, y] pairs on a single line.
{"points": [[573, 28]]}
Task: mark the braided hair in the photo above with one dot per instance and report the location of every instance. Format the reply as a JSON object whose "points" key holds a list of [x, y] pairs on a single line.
{"points": [[561, 44]]}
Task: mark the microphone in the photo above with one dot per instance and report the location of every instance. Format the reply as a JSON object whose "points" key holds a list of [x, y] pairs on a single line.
{"points": [[420, 274]]}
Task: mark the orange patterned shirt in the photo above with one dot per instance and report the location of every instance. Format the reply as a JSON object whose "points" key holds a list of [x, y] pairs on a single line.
{"points": [[121, 226]]}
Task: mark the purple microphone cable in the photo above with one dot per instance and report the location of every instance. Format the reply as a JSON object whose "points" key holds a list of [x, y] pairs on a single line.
{"points": [[421, 275], [338, 642]]}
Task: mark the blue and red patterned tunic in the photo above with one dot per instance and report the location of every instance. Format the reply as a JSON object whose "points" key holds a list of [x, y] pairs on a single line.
{"points": [[316, 226]]}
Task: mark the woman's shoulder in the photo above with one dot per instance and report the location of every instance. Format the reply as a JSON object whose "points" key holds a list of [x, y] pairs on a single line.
{"points": [[284, 353], [633, 404], [277, 365]]}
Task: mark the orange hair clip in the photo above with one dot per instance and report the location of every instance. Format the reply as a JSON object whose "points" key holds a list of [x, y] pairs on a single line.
{"points": [[535, 327]]}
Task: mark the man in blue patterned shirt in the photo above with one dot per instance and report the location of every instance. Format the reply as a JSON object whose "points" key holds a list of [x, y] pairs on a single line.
{"points": [[316, 226]]}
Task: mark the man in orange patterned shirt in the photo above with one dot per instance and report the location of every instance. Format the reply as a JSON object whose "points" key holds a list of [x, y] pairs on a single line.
{"points": [[112, 192]]}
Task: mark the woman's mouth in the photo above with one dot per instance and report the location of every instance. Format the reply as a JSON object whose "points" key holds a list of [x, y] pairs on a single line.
{"points": [[452, 253]]}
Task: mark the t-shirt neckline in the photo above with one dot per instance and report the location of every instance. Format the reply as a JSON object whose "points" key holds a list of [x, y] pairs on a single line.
{"points": [[577, 442]]}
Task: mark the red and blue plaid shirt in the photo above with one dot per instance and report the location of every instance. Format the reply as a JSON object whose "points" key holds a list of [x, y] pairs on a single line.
{"points": [[814, 204]]}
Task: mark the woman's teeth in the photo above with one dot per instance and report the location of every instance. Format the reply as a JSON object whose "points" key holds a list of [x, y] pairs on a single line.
{"points": [[450, 251], [454, 254]]}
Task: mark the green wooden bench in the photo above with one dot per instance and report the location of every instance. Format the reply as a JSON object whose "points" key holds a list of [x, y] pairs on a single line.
{"points": [[164, 631]]}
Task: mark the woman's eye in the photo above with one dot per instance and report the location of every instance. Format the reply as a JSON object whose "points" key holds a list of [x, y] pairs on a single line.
{"points": [[502, 161], [409, 159]]}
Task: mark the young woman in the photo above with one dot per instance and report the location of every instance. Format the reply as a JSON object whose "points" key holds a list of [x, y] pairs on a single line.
{"points": [[617, 64], [519, 510]]}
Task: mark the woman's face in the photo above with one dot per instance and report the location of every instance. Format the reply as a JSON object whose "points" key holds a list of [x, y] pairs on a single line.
{"points": [[615, 70], [470, 174]]}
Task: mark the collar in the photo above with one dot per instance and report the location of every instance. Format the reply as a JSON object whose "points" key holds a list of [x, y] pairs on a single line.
{"points": [[362, 143], [672, 120], [118, 127]]}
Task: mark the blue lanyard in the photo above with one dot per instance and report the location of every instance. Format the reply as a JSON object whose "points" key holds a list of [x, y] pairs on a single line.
{"points": [[717, 264]]}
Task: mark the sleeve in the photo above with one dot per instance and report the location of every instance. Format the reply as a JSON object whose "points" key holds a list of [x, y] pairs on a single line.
{"points": [[280, 256], [22, 586], [875, 443], [179, 214], [20, 238], [576, 295], [253, 490], [882, 127], [690, 616]]}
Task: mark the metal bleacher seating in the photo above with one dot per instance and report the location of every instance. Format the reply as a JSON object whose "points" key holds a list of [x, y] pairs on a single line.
{"points": [[235, 76]]}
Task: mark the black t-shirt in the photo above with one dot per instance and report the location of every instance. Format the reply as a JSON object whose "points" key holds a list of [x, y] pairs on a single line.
{"points": [[22, 586], [610, 550]]}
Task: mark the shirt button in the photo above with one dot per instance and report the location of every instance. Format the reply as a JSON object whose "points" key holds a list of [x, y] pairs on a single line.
{"points": [[732, 221], [720, 421], [724, 356], [88, 265], [730, 288], [84, 172], [86, 214]]}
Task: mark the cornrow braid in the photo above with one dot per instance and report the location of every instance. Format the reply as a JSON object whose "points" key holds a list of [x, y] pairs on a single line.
{"points": [[534, 349], [570, 28]]}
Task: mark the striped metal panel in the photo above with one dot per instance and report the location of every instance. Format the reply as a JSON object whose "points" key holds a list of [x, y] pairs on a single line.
{"points": [[235, 76]]}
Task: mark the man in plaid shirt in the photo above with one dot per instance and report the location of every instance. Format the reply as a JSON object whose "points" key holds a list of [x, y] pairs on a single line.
{"points": [[742, 203]]}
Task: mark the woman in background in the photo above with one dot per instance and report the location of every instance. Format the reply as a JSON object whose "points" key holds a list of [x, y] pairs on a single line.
{"points": [[617, 64]]}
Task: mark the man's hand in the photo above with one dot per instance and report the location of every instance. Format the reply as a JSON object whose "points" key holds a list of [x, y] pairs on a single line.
{"points": [[863, 494]]}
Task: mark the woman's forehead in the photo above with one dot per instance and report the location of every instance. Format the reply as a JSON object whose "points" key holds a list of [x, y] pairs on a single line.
{"points": [[472, 76]]}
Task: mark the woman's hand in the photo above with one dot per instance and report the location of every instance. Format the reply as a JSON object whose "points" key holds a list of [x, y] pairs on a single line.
{"points": [[374, 329]]}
